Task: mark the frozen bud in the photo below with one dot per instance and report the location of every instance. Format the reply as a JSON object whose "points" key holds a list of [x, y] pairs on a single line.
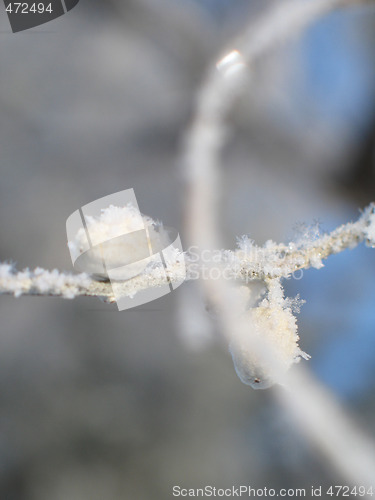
{"points": [[265, 355]]}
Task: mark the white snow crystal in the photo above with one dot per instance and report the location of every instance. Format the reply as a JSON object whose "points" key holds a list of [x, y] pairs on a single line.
{"points": [[273, 323]]}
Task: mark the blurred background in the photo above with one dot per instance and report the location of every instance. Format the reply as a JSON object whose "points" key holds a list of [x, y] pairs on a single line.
{"points": [[97, 404]]}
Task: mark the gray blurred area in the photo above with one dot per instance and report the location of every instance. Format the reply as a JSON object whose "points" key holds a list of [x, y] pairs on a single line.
{"points": [[101, 405]]}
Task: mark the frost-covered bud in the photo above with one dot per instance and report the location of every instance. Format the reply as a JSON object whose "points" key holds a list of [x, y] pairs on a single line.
{"points": [[278, 328], [274, 325]]}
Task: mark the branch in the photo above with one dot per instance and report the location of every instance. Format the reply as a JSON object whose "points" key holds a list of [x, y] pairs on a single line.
{"points": [[68, 286], [280, 261], [249, 262]]}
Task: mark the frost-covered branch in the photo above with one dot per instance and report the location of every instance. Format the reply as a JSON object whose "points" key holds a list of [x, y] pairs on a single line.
{"points": [[58, 284], [248, 262], [42, 282], [279, 260]]}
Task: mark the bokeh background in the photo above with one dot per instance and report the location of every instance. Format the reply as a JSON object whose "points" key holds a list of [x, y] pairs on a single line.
{"points": [[97, 404]]}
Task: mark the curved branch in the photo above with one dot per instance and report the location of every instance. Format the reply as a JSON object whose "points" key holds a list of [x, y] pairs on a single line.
{"points": [[316, 411]]}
